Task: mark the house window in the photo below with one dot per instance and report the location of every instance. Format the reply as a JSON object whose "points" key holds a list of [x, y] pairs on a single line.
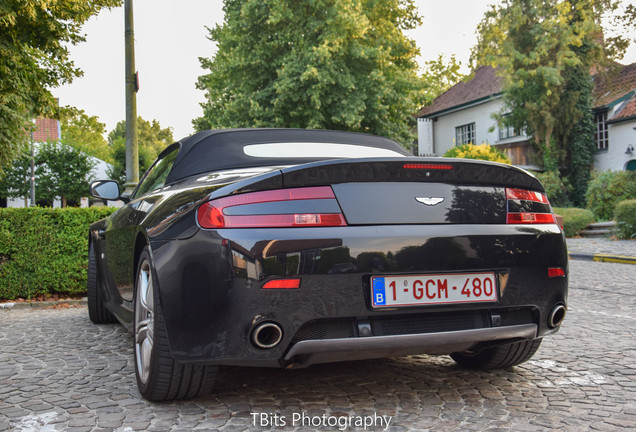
{"points": [[465, 134], [600, 131], [506, 130]]}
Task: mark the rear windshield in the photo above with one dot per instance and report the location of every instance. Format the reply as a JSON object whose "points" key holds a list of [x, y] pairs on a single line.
{"points": [[315, 150]]}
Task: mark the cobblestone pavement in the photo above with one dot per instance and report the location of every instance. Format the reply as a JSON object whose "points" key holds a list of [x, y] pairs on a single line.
{"points": [[60, 372], [602, 246]]}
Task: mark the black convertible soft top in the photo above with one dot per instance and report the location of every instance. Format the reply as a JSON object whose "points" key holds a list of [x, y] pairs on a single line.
{"points": [[217, 150]]}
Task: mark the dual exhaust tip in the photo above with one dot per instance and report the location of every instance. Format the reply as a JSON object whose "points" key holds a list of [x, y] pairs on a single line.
{"points": [[267, 335]]}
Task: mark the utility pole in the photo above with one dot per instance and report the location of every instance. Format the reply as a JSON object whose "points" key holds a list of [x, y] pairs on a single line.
{"points": [[132, 149]]}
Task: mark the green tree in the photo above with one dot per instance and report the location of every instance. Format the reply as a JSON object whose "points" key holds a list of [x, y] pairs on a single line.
{"points": [[16, 182], [34, 57], [580, 148], [61, 171], [440, 75], [152, 140], [85, 133], [117, 171], [334, 64], [544, 50], [533, 43]]}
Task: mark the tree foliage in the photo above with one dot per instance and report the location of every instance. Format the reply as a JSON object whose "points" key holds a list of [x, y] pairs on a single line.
{"points": [[16, 182], [61, 171], [439, 76], [334, 64], [607, 189], [544, 50], [152, 140], [580, 148], [34, 57], [533, 43], [85, 133]]}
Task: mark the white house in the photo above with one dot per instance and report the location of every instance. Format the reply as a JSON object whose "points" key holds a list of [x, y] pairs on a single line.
{"points": [[464, 114], [615, 119]]}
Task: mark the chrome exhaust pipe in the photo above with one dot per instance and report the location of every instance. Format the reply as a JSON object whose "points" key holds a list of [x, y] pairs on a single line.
{"points": [[556, 316], [267, 335]]}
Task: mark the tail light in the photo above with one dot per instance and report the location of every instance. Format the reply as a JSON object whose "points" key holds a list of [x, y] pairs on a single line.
{"points": [[528, 207], [282, 284], [273, 209]]}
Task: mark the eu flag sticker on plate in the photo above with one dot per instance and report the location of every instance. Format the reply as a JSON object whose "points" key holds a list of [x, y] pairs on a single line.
{"points": [[379, 297]]}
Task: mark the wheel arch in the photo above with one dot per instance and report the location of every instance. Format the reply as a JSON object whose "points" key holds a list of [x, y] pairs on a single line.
{"points": [[140, 243]]}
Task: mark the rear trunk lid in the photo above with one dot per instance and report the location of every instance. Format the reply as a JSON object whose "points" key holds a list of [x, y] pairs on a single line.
{"points": [[416, 190]]}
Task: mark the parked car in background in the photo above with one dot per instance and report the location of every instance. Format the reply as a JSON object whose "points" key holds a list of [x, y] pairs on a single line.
{"points": [[285, 248]]}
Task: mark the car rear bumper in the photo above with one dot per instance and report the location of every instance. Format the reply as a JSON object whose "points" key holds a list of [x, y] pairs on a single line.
{"points": [[211, 295], [305, 353]]}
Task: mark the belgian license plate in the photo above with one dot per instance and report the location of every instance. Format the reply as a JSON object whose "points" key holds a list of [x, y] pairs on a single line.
{"points": [[432, 289]]}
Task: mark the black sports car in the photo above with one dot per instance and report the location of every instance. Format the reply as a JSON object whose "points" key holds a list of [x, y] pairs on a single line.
{"points": [[284, 248]]}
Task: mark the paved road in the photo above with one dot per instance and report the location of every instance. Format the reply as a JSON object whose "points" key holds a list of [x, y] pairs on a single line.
{"points": [[60, 372], [602, 246]]}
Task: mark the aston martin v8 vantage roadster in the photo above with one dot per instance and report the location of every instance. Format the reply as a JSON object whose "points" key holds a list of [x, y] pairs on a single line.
{"points": [[285, 248]]}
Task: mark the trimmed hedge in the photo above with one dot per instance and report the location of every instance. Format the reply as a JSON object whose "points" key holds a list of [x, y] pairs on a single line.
{"points": [[625, 217], [607, 189], [45, 250], [574, 219]]}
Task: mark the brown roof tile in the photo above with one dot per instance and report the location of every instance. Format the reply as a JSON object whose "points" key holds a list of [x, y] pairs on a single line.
{"points": [[613, 84], [626, 111], [610, 86], [484, 83]]}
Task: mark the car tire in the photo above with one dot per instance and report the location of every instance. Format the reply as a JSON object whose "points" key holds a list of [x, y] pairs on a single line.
{"points": [[97, 311], [159, 376], [499, 357]]}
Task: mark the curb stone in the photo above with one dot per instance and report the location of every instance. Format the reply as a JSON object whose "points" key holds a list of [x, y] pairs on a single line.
{"points": [[43, 304], [603, 258]]}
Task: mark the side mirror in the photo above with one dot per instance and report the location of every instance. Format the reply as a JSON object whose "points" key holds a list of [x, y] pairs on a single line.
{"points": [[105, 190]]}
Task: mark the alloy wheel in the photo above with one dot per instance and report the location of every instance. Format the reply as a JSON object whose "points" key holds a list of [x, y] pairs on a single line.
{"points": [[144, 321]]}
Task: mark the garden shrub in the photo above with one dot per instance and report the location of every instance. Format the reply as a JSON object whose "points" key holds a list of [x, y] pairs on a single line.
{"points": [[481, 152], [45, 250], [625, 217], [607, 189], [556, 188], [574, 219]]}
